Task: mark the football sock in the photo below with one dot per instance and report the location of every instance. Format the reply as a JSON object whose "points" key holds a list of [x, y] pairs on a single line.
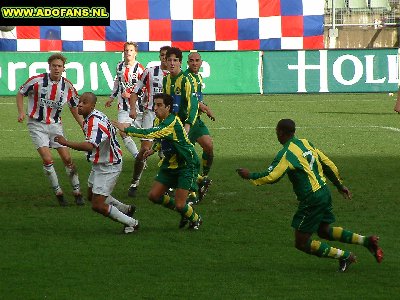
{"points": [[130, 145], [167, 202], [116, 215], [207, 161], [137, 171], [73, 178], [199, 178], [345, 236], [189, 213], [322, 249], [50, 172], [124, 208]]}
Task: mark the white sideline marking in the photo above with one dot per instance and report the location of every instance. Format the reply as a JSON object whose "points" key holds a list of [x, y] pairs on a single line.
{"points": [[258, 127], [8, 103]]}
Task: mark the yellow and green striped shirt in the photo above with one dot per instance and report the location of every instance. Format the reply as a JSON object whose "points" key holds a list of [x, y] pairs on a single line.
{"points": [[305, 165], [185, 103], [178, 151]]}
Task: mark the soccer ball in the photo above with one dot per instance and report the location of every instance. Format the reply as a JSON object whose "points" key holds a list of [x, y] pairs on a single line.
{"points": [[6, 28]]}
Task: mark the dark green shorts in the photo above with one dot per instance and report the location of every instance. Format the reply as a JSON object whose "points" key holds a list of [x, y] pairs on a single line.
{"points": [[197, 130], [182, 178], [314, 210]]}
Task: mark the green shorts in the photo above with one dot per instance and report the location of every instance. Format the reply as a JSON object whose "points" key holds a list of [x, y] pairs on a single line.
{"points": [[314, 210], [197, 130], [182, 178]]}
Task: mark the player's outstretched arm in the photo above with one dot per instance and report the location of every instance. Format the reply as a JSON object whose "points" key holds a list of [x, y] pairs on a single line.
{"points": [[20, 107], [244, 173]]}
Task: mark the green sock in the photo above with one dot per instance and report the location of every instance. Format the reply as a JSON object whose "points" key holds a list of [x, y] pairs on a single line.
{"points": [[167, 202], [322, 249], [189, 213], [206, 162], [345, 236]]}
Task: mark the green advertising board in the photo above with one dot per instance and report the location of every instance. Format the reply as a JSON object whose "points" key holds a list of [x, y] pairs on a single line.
{"points": [[367, 70], [223, 72]]}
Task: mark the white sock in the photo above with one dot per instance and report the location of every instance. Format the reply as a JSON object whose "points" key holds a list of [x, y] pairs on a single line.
{"points": [[50, 172], [124, 208], [118, 216], [73, 178], [131, 146]]}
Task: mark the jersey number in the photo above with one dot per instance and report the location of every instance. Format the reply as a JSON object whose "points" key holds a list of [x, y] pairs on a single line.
{"points": [[310, 158]]}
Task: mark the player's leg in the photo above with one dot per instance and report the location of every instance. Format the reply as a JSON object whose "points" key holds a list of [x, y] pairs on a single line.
{"points": [[327, 232], [138, 167], [102, 180], [39, 134], [123, 117], [206, 143], [72, 173]]}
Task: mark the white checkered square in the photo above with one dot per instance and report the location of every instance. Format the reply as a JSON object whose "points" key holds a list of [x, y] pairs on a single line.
{"points": [[204, 30], [89, 45], [137, 30], [226, 45], [247, 9], [270, 27], [181, 9], [72, 33]]}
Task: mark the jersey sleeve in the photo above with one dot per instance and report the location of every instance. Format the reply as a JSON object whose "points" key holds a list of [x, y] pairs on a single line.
{"points": [[193, 103], [96, 132], [161, 130], [330, 169], [73, 97], [274, 172]]}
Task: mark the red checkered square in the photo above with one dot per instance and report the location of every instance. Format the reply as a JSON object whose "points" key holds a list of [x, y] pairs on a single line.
{"points": [[313, 42], [95, 33], [160, 30], [137, 9], [184, 46], [28, 32], [114, 46], [50, 45], [292, 26], [248, 44], [203, 9], [269, 8], [226, 29]]}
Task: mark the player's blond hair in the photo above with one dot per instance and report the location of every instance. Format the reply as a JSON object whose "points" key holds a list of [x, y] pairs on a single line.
{"points": [[134, 44]]}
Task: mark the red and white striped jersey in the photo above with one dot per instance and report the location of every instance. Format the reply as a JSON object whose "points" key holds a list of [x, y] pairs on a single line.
{"points": [[152, 81], [46, 98], [102, 135], [125, 80]]}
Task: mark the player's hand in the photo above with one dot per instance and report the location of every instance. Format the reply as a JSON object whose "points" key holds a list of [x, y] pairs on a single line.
{"points": [[61, 140], [346, 193], [244, 173], [210, 115], [109, 102], [132, 113], [21, 117], [148, 153], [126, 94], [119, 126], [187, 127]]}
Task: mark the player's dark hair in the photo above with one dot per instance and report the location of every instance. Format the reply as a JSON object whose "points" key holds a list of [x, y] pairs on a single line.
{"points": [[176, 51], [286, 126], [167, 99], [163, 48], [57, 56], [92, 97]]}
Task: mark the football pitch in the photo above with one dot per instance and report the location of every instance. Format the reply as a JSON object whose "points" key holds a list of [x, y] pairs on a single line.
{"points": [[245, 248]]}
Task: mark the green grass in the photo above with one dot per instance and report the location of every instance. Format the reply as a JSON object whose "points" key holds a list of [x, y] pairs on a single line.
{"points": [[245, 246]]}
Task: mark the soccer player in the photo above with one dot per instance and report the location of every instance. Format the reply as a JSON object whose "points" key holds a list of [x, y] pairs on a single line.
{"points": [[180, 165], [307, 168], [105, 154], [199, 132], [47, 94], [149, 84], [128, 72]]}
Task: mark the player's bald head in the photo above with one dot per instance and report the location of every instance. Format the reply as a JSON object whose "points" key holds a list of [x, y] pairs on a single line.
{"points": [[90, 97], [194, 55]]}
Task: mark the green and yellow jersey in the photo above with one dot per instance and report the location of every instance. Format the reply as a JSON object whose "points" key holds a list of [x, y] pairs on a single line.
{"points": [[178, 151], [185, 103], [305, 165], [197, 81]]}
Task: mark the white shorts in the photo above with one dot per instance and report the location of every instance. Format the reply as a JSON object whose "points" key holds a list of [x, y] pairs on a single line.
{"points": [[143, 120], [103, 177], [43, 134]]}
